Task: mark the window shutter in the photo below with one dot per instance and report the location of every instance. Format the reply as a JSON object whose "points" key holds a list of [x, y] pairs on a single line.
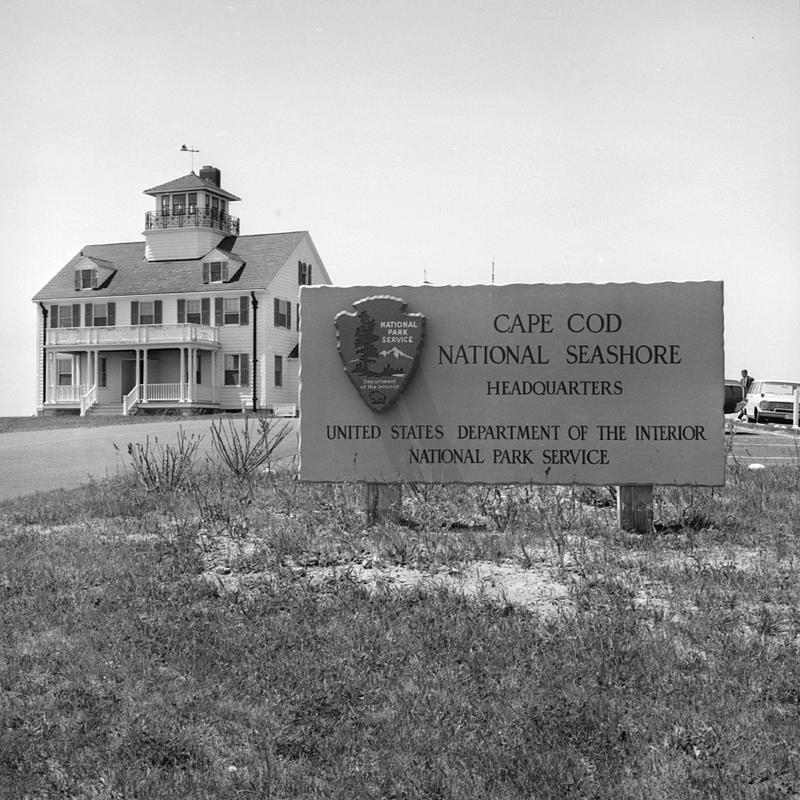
{"points": [[111, 314], [53, 316], [157, 312], [77, 279], [244, 316], [218, 319], [181, 310], [76, 316], [225, 271], [206, 271], [94, 279], [134, 312], [289, 314], [205, 311], [308, 274], [297, 324], [300, 273], [277, 311], [88, 315], [244, 370]]}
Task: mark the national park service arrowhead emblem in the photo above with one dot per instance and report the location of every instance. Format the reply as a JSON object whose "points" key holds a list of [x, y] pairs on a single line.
{"points": [[380, 345]]}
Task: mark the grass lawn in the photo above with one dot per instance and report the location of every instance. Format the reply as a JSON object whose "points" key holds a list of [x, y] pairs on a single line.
{"points": [[234, 633]]}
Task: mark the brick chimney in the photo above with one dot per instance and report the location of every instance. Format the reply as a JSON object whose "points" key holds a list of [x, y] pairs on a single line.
{"points": [[212, 174]]}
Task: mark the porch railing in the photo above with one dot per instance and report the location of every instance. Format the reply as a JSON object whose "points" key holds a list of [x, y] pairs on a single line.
{"points": [[134, 334], [165, 392], [68, 394], [162, 391], [130, 400], [88, 400]]}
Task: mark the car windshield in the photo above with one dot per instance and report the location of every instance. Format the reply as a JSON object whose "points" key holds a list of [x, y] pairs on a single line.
{"points": [[778, 388]]}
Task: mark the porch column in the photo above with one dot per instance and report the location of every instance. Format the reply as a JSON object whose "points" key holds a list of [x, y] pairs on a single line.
{"points": [[214, 375], [183, 375], [144, 379], [96, 380], [48, 376], [76, 371], [190, 376]]}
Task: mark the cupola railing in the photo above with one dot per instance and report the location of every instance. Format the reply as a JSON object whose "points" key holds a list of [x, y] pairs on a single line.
{"points": [[198, 218]]}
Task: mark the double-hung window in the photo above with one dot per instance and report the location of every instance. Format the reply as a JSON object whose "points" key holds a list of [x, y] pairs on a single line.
{"points": [[215, 271], [86, 279], [146, 312], [67, 316], [236, 369], [64, 371], [101, 315], [283, 313], [232, 310], [279, 370], [194, 311]]}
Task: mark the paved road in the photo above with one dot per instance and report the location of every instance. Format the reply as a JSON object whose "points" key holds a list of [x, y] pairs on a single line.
{"points": [[41, 460], [765, 444]]}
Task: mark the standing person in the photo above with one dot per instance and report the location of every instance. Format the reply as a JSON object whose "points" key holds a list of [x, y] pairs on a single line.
{"points": [[746, 381]]}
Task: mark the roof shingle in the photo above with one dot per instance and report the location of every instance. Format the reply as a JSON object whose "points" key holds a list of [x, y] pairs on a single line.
{"points": [[262, 254], [189, 182]]}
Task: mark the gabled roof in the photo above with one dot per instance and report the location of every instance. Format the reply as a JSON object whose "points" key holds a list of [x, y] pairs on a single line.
{"points": [[101, 262], [188, 183], [261, 254]]}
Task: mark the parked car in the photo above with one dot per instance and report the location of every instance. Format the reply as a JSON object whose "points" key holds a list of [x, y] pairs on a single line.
{"points": [[770, 400], [734, 397]]}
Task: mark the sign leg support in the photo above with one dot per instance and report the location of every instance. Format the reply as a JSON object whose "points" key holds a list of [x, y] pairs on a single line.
{"points": [[635, 508], [382, 502]]}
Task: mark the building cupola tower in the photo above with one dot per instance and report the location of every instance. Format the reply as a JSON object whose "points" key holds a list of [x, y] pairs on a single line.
{"points": [[190, 218]]}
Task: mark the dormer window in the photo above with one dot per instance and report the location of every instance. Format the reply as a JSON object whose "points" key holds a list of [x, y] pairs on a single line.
{"points": [[85, 279], [215, 271]]}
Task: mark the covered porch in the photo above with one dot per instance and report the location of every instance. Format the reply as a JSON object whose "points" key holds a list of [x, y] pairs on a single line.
{"points": [[123, 381]]}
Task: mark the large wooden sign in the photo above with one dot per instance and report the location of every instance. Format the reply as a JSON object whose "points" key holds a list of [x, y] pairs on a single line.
{"points": [[544, 384]]}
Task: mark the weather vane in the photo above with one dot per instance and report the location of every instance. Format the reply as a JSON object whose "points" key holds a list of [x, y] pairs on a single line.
{"points": [[185, 149]]}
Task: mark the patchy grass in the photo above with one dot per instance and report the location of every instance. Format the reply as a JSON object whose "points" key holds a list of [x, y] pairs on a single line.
{"points": [[671, 672]]}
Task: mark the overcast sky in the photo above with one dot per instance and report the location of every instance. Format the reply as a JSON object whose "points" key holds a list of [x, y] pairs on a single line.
{"points": [[568, 141]]}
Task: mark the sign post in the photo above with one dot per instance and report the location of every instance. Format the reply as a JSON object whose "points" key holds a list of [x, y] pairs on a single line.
{"points": [[592, 384]]}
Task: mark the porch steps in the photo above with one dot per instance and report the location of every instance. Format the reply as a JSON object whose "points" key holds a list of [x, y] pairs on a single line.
{"points": [[106, 409]]}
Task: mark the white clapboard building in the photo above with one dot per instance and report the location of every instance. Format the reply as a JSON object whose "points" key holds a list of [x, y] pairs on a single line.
{"points": [[194, 317]]}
